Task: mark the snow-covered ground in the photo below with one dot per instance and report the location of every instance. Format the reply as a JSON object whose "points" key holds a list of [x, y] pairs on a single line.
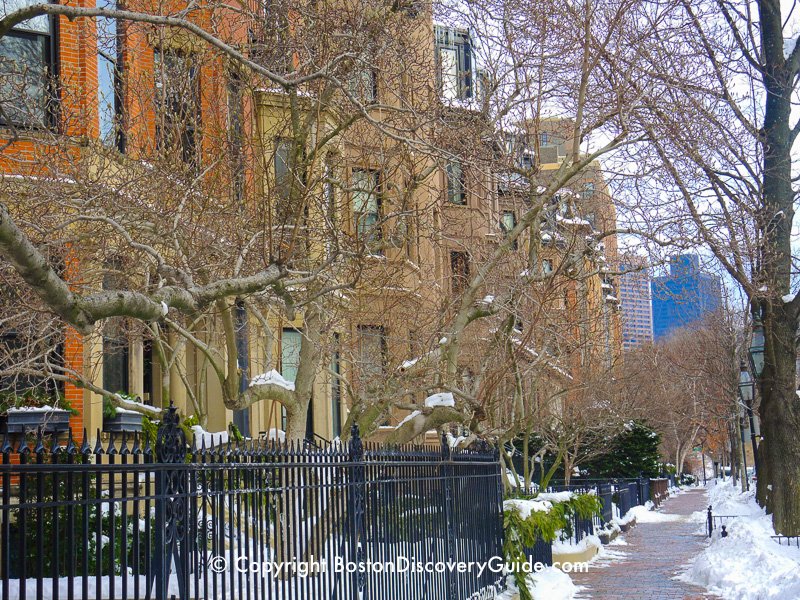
{"points": [[550, 583], [747, 564]]}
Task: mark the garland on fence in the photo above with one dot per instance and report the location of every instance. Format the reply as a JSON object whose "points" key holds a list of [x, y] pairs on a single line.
{"points": [[521, 532]]}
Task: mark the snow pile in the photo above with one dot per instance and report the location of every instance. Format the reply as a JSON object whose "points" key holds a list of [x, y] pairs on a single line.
{"points": [[747, 564], [442, 399], [645, 514], [555, 496], [526, 507], [549, 583], [280, 435], [567, 547], [32, 409], [274, 378], [209, 439], [553, 584]]}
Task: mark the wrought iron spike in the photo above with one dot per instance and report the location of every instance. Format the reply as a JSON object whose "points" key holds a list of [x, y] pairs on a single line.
{"points": [[23, 447], [135, 448], [39, 446], [70, 448], [86, 449], [124, 448], [111, 449], [6, 447], [55, 447], [98, 446]]}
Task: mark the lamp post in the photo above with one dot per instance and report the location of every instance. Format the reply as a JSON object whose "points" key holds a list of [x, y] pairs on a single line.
{"points": [[745, 478], [746, 392], [756, 350]]}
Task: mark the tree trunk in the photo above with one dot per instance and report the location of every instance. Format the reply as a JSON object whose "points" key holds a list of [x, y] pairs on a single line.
{"points": [[780, 406], [740, 457], [779, 479]]}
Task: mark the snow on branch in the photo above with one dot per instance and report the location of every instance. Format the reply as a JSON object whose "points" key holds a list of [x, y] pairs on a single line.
{"points": [[82, 312]]}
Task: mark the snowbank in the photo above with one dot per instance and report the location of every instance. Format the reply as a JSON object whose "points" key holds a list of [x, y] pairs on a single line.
{"points": [[550, 583], [567, 547], [747, 564], [645, 514], [553, 584]]}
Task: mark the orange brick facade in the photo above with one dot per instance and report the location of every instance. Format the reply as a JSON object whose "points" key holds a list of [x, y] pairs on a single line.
{"points": [[76, 68]]}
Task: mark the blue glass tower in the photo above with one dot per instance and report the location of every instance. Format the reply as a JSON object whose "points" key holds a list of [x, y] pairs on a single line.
{"points": [[683, 297]]}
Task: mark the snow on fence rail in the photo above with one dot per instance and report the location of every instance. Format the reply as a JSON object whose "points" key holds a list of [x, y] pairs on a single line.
{"points": [[256, 519]]}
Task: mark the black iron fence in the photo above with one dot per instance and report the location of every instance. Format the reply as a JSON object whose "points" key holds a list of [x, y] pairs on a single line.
{"points": [[256, 519], [716, 521]]}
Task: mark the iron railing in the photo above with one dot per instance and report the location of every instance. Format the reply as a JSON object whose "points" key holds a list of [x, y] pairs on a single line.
{"points": [[257, 519], [788, 540], [714, 521]]}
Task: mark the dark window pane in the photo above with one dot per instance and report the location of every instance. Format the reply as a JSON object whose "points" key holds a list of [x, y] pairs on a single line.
{"points": [[336, 391], [459, 270], [283, 149], [177, 103], [456, 190], [23, 79], [115, 364], [366, 204], [371, 354], [109, 82]]}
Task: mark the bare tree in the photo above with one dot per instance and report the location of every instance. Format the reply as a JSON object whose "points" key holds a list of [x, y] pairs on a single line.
{"points": [[720, 126]]}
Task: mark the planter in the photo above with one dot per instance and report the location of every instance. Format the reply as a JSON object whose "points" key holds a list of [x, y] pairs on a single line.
{"points": [[29, 420], [125, 420]]}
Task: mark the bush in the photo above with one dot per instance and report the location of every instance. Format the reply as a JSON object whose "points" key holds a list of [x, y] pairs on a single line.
{"points": [[520, 533], [55, 524]]}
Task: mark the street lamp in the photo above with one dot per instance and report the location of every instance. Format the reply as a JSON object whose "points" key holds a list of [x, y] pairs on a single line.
{"points": [[756, 350], [746, 392]]}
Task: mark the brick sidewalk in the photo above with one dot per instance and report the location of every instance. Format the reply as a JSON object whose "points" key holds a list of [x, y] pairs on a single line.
{"points": [[654, 554]]}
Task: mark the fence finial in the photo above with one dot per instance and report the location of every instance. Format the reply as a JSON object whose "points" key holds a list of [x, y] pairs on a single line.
{"points": [[356, 444], [171, 439]]}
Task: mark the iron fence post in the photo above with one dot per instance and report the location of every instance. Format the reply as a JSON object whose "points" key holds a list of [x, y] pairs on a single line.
{"points": [[172, 508], [449, 509], [356, 505], [710, 521]]}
